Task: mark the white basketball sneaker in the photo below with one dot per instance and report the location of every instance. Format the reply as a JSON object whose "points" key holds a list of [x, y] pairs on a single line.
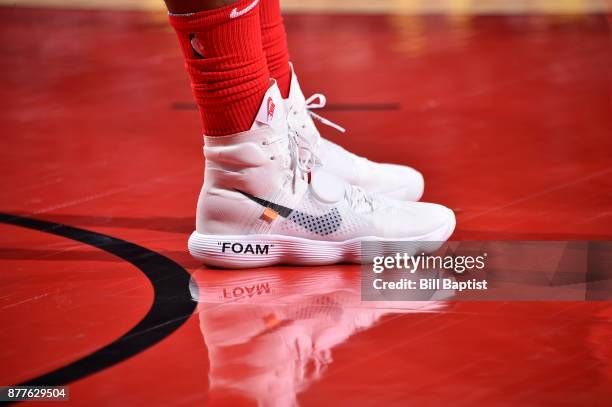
{"points": [[392, 180], [261, 204]]}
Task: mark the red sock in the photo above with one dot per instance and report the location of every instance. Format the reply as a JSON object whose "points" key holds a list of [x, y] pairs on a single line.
{"points": [[275, 44], [224, 58]]}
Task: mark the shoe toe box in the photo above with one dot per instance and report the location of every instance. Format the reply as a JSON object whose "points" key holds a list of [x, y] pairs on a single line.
{"points": [[401, 182], [416, 220]]}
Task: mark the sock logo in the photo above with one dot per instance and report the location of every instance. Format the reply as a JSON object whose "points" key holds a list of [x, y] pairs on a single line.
{"points": [[323, 225], [235, 13], [271, 107], [240, 248], [196, 47]]}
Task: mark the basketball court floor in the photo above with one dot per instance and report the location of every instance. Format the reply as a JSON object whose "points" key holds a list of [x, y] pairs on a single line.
{"points": [[505, 110]]}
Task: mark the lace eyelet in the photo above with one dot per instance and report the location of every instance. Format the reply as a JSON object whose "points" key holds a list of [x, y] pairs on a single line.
{"points": [[272, 157]]}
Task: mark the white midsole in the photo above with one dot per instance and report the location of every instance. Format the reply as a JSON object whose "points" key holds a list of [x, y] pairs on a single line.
{"points": [[249, 251]]}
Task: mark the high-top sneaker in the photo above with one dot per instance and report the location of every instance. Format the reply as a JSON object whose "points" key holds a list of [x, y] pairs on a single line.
{"points": [[392, 180], [264, 203]]}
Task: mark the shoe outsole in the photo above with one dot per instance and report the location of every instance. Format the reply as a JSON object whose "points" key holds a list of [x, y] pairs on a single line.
{"points": [[252, 251]]}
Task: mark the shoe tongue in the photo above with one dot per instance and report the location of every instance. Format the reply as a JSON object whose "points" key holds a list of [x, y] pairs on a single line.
{"points": [[296, 97], [327, 187], [297, 102], [272, 110]]}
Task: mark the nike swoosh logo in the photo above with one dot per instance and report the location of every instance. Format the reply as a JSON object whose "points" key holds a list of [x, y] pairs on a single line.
{"points": [[235, 13], [323, 225]]}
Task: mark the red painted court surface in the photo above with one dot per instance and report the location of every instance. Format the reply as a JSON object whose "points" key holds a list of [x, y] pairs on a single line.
{"points": [[509, 119]]}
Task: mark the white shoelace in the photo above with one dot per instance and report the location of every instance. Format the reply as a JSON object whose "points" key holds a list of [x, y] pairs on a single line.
{"points": [[303, 157], [302, 152], [310, 143], [311, 105], [297, 152], [360, 200]]}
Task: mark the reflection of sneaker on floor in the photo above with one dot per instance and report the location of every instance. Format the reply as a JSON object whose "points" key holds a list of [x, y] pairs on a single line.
{"points": [[262, 203], [270, 335], [391, 180]]}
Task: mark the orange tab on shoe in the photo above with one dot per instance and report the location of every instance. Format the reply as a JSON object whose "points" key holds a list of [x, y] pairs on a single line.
{"points": [[269, 215]]}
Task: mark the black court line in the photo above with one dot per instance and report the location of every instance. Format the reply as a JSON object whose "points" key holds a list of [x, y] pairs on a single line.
{"points": [[172, 304], [344, 107]]}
